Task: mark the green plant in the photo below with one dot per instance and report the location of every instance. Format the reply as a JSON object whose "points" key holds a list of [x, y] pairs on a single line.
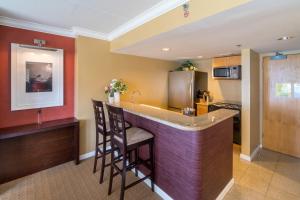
{"points": [[118, 86], [186, 66]]}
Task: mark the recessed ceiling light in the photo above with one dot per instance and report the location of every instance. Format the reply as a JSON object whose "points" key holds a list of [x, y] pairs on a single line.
{"points": [[199, 56], [285, 38], [165, 49]]}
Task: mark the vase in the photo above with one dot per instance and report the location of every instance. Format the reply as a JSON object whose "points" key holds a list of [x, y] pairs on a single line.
{"points": [[110, 100], [117, 97]]}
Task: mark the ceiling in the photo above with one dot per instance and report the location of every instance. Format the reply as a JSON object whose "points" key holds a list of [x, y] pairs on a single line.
{"points": [[256, 25], [100, 17]]}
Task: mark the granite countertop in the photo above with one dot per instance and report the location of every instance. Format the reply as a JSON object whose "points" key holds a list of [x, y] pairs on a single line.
{"points": [[218, 101], [175, 119]]}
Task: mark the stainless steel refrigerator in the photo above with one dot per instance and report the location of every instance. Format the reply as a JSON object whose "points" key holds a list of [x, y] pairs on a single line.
{"points": [[184, 87]]}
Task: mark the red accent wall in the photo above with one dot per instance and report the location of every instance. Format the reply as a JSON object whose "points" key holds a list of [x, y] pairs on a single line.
{"points": [[10, 35]]}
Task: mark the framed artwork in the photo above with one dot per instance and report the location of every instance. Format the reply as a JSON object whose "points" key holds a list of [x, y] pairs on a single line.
{"points": [[37, 77]]}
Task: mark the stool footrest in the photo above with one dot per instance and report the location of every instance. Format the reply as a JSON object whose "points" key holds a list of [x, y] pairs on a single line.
{"points": [[136, 182], [117, 168]]}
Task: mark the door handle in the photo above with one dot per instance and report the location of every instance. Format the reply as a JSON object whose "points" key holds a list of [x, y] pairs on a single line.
{"points": [[228, 74]]}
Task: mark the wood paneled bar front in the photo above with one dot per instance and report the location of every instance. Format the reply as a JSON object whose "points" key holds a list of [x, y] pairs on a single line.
{"points": [[193, 155], [30, 148]]}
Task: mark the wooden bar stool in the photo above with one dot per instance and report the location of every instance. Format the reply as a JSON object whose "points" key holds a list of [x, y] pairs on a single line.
{"points": [[128, 141], [102, 137]]}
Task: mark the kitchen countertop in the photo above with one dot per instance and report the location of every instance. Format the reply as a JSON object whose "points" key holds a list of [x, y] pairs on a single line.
{"points": [[218, 101], [175, 119]]}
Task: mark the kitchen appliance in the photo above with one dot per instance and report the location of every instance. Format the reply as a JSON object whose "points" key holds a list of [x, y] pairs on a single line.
{"points": [[236, 119], [231, 72], [184, 88], [189, 111]]}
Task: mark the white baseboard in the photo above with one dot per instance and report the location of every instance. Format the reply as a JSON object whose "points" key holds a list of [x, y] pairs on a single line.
{"points": [[226, 189], [157, 189], [90, 154], [252, 156], [245, 157], [165, 196], [87, 155], [254, 153]]}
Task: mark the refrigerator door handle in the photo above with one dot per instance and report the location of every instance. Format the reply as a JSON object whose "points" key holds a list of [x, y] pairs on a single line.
{"points": [[191, 94]]}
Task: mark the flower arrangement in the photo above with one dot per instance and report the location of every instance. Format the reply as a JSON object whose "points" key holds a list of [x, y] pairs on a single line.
{"points": [[118, 86], [114, 89], [109, 91]]}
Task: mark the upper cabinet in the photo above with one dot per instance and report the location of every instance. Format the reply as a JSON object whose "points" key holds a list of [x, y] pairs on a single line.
{"points": [[226, 61]]}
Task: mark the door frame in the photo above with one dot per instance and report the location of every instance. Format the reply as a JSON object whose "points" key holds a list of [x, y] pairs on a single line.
{"points": [[261, 88]]}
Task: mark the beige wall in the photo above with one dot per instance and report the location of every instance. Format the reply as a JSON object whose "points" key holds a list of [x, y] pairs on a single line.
{"points": [[250, 101], [220, 89], [255, 101], [96, 66], [199, 9]]}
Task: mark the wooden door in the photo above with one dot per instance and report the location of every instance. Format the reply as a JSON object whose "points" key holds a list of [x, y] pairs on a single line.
{"points": [[281, 116]]}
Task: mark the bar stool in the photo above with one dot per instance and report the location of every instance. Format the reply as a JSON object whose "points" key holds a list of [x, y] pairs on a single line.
{"points": [[128, 141], [102, 129]]}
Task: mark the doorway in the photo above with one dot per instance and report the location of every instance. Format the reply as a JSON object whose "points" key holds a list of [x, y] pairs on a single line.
{"points": [[281, 100]]}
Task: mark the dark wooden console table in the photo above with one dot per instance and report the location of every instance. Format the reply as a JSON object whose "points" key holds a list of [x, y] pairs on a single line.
{"points": [[30, 148]]}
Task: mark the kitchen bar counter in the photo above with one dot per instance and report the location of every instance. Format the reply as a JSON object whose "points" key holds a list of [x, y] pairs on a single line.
{"points": [[178, 120], [193, 155]]}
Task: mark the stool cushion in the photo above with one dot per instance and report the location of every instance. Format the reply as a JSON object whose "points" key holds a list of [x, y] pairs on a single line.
{"points": [[135, 135]]}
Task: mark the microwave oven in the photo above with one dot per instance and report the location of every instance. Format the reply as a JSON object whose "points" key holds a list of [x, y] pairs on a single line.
{"points": [[230, 72]]}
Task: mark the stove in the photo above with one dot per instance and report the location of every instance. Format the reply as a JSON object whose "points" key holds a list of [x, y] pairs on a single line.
{"points": [[227, 105], [236, 119]]}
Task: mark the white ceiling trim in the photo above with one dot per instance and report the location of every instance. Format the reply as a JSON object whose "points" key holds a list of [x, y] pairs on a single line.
{"points": [[35, 26], [153, 12], [163, 7], [77, 31]]}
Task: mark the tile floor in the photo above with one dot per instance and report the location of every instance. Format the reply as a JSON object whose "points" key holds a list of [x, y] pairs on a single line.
{"points": [[271, 176]]}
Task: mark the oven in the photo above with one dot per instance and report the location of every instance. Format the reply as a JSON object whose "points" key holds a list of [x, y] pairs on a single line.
{"points": [[236, 118]]}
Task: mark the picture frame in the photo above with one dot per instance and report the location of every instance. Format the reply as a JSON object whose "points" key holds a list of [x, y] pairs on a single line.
{"points": [[37, 77]]}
